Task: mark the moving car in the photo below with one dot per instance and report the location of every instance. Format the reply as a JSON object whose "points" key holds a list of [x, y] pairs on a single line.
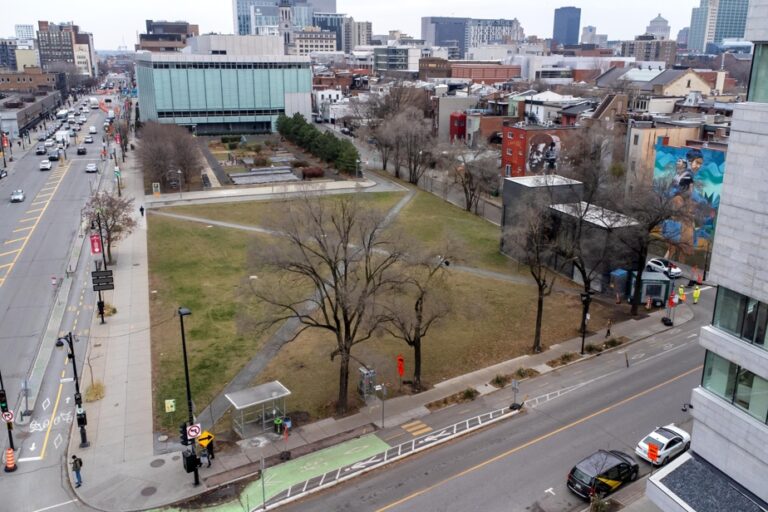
{"points": [[81, 150], [88, 139], [53, 155], [601, 473], [40, 150], [91, 129], [670, 442], [49, 143], [83, 119], [45, 165], [666, 267], [3, 173], [91, 168], [17, 196]]}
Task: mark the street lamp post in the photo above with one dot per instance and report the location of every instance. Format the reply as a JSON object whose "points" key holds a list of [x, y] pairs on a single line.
{"points": [[181, 174], [182, 313], [586, 299], [82, 420]]}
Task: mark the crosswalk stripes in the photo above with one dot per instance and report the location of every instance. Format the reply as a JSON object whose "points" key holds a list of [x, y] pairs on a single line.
{"points": [[416, 428]]}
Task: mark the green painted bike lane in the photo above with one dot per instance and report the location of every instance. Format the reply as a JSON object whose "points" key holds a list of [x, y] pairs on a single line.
{"points": [[287, 474]]}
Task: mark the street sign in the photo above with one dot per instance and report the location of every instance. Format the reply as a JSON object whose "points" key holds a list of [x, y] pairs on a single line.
{"points": [[170, 405], [102, 280], [400, 365], [117, 172], [653, 452], [156, 189], [8, 417], [95, 244], [205, 439], [194, 431]]}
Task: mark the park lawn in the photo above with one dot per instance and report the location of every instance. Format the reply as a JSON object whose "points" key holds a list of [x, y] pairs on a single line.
{"points": [[491, 321], [467, 238], [202, 269], [264, 213]]}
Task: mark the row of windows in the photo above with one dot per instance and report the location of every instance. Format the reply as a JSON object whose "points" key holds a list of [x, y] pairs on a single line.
{"points": [[165, 114], [226, 65], [739, 386], [741, 316]]}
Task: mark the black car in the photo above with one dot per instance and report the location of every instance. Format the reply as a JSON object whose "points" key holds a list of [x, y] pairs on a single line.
{"points": [[601, 473], [53, 155], [40, 150], [81, 150]]}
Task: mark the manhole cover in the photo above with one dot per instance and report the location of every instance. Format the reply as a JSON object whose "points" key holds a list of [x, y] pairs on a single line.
{"points": [[157, 463], [148, 491], [176, 457]]}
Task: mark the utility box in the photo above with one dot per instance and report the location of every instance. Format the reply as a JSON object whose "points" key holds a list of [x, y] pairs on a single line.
{"points": [[365, 385]]}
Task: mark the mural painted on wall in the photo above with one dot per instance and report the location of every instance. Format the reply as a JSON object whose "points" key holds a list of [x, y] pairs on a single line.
{"points": [[543, 152], [696, 177]]}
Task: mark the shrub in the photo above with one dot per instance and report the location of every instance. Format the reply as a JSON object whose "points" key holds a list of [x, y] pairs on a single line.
{"points": [[299, 163], [312, 172], [226, 139], [591, 348], [255, 147], [261, 161], [469, 394], [524, 373], [613, 342], [500, 381], [563, 359], [232, 146], [94, 392]]}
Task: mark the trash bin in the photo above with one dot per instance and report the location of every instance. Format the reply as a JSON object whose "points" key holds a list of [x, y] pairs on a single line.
{"points": [[278, 425]]}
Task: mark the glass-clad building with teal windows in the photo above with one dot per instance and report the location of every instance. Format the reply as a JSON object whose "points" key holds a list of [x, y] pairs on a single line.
{"points": [[218, 94]]}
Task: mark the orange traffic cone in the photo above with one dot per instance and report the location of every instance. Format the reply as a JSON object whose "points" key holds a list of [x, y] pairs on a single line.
{"points": [[10, 461]]}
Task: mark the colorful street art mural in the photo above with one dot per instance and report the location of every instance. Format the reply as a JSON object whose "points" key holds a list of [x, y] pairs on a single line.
{"points": [[696, 177]]}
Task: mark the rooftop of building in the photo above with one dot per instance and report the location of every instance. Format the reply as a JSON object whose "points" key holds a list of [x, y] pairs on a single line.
{"points": [[543, 180], [595, 215]]}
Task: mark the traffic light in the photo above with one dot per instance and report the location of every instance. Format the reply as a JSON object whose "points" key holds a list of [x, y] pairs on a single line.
{"points": [[82, 420], [183, 434], [3, 401], [78, 399]]}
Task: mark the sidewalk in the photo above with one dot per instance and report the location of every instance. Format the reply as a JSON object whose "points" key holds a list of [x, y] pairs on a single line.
{"points": [[121, 471]]}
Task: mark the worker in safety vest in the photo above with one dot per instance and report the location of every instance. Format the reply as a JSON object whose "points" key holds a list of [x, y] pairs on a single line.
{"points": [[696, 294], [681, 293]]}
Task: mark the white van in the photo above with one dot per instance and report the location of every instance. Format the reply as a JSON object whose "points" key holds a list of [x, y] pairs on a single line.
{"points": [[91, 129]]}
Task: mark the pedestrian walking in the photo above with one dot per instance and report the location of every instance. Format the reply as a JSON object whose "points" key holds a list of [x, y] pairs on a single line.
{"points": [[141, 210], [608, 328], [77, 465], [204, 458], [211, 455], [696, 294]]}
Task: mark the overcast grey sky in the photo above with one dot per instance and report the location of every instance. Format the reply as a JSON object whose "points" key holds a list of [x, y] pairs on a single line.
{"points": [[116, 24]]}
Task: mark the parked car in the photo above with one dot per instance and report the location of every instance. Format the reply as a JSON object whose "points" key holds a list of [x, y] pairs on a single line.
{"points": [[81, 150], [53, 155], [3, 173], [664, 266], [40, 150], [601, 473], [45, 165], [49, 143], [670, 441], [17, 196], [88, 139], [91, 168], [83, 119], [86, 110], [41, 137]]}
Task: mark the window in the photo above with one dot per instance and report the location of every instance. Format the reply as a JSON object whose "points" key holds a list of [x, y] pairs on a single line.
{"points": [[729, 311], [509, 152], [507, 170], [719, 375], [758, 79], [752, 394], [636, 139]]}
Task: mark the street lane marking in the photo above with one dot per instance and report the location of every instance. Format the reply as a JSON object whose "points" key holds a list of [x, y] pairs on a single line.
{"points": [[416, 428], [35, 210], [55, 506], [15, 240], [9, 252], [23, 229], [539, 439], [29, 219], [50, 423]]}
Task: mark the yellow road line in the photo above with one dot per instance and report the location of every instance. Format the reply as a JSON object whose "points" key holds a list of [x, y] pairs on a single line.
{"points": [[537, 440], [6, 265], [15, 240], [23, 229], [29, 219], [38, 202], [35, 210], [9, 252]]}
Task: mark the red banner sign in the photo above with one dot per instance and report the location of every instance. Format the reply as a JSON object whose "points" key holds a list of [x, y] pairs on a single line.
{"points": [[95, 244], [400, 365]]}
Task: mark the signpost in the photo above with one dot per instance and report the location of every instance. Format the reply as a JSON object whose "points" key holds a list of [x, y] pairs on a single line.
{"points": [[401, 367], [8, 417], [95, 244], [205, 439], [194, 431], [102, 280]]}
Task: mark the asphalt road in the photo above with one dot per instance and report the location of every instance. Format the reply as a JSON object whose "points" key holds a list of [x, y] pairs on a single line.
{"points": [[522, 464], [37, 237]]}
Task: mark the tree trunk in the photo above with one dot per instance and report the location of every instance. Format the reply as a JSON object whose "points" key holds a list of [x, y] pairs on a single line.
{"points": [[341, 403], [417, 364], [109, 251], [638, 292], [539, 316]]}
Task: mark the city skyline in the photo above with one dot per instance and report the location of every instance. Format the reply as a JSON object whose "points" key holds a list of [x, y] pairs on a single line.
{"points": [[622, 20]]}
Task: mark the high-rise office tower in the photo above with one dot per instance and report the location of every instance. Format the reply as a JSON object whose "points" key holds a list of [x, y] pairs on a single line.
{"points": [[566, 27], [25, 32], [715, 20]]}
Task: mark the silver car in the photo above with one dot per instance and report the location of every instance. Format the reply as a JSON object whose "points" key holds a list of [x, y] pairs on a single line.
{"points": [[17, 196], [91, 168]]}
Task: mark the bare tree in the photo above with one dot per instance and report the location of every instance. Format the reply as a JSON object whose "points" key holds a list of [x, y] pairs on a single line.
{"points": [[416, 306], [339, 250], [532, 244], [185, 153], [474, 170], [155, 151], [651, 207], [115, 214], [413, 143]]}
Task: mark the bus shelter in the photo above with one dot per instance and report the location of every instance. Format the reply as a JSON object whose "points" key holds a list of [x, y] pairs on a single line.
{"points": [[256, 408]]}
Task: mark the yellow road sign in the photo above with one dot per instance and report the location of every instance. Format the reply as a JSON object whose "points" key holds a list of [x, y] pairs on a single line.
{"points": [[170, 405], [205, 438]]}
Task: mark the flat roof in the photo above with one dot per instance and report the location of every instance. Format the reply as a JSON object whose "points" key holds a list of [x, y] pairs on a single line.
{"points": [[596, 215], [257, 395], [543, 180]]}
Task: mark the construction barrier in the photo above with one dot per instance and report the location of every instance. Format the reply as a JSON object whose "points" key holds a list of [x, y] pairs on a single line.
{"points": [[10, 461]]}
